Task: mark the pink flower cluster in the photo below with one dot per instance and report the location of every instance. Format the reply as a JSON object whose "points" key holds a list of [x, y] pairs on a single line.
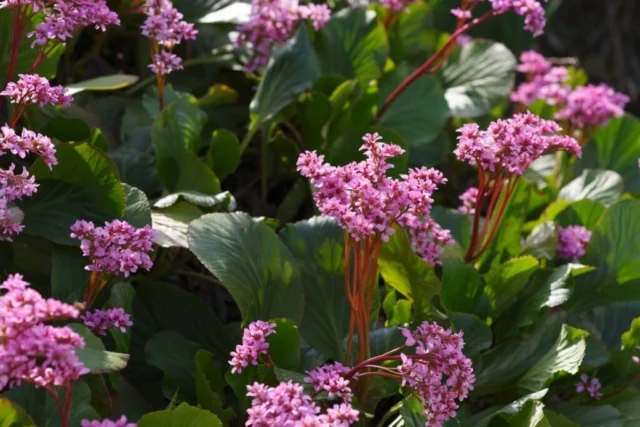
{"points": [[166, 28], [442, 376], [287, 405], [591, 386], [469, 199], [118, 247], [121, 422], [63, 18], [331, 378], [366, 203], [532, 10], [33, 89], [27, 142], [100, 321], [254, 344], [511, 145], [30, 350], [572, 242], [273, 22], [584, 106], [396, 5]]}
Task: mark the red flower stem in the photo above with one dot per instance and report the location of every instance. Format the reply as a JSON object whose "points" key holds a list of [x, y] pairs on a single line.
{"points": [[429, 62], [67, 405], [384, 358], [56, 399], [477, 213]]}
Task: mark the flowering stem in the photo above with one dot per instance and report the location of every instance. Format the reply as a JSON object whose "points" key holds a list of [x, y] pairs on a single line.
{"points": [[56, 399], [444, 51]]}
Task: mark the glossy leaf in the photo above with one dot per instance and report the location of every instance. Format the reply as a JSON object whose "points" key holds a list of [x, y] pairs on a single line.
{"points": [[461, 285], [223, 155], [113, 82], [284, 345], [263, 278], [94, 356], [11, 415], [172, 224], [506, 281], [137, 211], [599, 185], [210, 386], [182, 416]]}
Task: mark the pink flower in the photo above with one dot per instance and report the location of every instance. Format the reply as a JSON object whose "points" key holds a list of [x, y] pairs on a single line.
{"points": [[100, 321], [533, 64], [10, 220], [469, 199], [365, 202], [572, 241], [461, 14], [439, 373], [63, 18], [511, 145], [330, 378], [254, 344], [122, 422], [117, 247], [272, 23], [591, 386], [532, 10], [287, 405], [396, 5], [33, 89], [27, 142], [32, 351], [549, 86], [592, 105], [165, 63]]}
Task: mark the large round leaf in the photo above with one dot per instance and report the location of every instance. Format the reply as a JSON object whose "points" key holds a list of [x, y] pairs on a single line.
{"points": [[83, 185], [251, 262], [183, 416], [291, 70], [353, 44], [616, 147], [11, 415], [600, 185], [113, 82], [478, 77], [420, 112], [318, 247]]}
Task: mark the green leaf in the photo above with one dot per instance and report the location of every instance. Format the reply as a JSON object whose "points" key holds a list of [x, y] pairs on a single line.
{"points": [[94, 357], [318, 248], [40, 405], [172, 224], [84, 185], [137, 211], [461, 285], [291, 70], [178, 167], [68, 275], [557, 420], [26, 55], [590, 416], [215, 202], [616, 147], [183, 416], [314, 112], [419, 113], [408, 274], [174, 355], [600, 185], [251, 262], [612, 250], [411, 412], [478, 77], [564, 358], [11, 415], [113, 82], [67, 129], [477, 335], [284, 345], [505, 282], [583, 212], [353, 44], [122, 295], [224, 153], [411, 36], [630, 411], [525, 405], [542, 242], [210, 386]]}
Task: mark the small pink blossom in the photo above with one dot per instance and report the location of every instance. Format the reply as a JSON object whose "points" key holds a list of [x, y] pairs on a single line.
{"points": [[10, 221], [254, 344], [592, 105], [118, 247], [469, 199], [121, 422], [33, 89], [165, 63], [572, 242], [591, 386], [330, 378], [532, 10], [461, 14], [99, 321], [533, 64]]}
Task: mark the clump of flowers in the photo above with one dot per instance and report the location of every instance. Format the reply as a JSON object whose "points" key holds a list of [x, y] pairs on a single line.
{"points": [[116, 248], [100, 321], [591, 386], [592, 106], [367, 205], [532, 10], [254, 344], [121, 422], [430, 363], [544, 81], [572, 241], [502, 153], [33, 89], [272, 23], [33, 351], [166, 29]]}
